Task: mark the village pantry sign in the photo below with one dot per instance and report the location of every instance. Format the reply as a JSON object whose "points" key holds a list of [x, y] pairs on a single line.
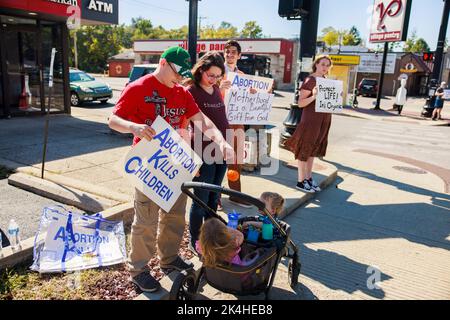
{"points": [[390, 20]]}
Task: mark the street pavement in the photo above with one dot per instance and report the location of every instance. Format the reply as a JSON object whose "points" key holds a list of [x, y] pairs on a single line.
{"points": [[387, 211]]}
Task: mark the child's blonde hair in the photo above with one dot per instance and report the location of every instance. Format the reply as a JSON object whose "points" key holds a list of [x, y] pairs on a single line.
{"points": [[276, 199], [216, 242]]}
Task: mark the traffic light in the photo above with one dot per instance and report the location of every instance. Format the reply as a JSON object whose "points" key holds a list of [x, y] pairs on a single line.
{"points": [[292, 9], [428, 56]]}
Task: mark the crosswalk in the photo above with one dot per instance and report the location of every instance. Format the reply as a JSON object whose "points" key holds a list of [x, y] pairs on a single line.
{"points": [[425, 143]]}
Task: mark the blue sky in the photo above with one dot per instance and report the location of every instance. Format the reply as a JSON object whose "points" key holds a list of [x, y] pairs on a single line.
{"points": [[341, 14]]}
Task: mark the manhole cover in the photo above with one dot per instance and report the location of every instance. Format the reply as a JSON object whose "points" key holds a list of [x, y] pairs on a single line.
{"points": [[410, 170]]}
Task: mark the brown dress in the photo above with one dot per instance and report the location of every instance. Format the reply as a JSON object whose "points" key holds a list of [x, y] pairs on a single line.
{"points": [[310, 138]]}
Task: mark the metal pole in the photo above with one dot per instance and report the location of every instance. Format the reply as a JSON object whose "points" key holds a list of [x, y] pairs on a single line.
{"points": [[193, 24], [50, 86], [380, 82], [438, 57], [75, 45]]}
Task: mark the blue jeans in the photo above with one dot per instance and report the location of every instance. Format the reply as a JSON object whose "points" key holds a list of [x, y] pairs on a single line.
{"points": [[212, 174]]}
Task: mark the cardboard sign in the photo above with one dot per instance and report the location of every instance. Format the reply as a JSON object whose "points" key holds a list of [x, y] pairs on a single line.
{"points": [[245, 81], [329, 95], [246, 108], [159, 167]]}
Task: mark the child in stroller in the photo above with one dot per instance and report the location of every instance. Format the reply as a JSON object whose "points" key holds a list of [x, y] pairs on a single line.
{"points": [[219, 243], [259, 259]]}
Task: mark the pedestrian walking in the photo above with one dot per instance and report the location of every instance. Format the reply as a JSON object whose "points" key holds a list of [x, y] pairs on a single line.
{"points": [[439, 103], [310, 139], [159, 94], [204, 87]]}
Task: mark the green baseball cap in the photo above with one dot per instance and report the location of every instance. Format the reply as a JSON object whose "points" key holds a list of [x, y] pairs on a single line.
{"points": [[181, 59]]}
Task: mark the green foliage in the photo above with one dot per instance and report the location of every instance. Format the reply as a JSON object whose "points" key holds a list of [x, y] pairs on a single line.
{"points": [[96, 44], [251, 30], [333, 37], [416, 45]]}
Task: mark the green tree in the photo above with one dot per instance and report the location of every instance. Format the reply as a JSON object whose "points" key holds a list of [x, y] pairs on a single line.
{"points": [[416, 45], [95, 45], [226, 31], [251, 30], [331, 38], [352, 37]]}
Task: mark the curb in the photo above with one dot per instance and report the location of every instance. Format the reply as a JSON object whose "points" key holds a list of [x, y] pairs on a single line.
{"points": [[65, 181], [10, 259], [59, 192]]}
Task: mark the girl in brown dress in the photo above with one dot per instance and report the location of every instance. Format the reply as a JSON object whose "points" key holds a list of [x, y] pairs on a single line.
{"points": [[310, 138]]}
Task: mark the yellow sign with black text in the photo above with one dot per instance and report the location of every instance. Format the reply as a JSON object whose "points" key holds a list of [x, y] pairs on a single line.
{"points": [[345, 59]]}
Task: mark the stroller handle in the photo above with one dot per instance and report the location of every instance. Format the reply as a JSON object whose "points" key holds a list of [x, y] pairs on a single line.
{"points": [[213, 188]]}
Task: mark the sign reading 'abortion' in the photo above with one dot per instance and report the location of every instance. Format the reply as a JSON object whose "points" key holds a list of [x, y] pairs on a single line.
{"points": [[329, 95], [159, 167]]}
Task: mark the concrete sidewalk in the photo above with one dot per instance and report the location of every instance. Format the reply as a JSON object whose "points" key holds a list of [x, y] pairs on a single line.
{"points": [[84, 159]]}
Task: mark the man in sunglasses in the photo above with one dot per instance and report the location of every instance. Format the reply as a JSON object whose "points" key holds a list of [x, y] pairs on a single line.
{"points": [[160, 94]]}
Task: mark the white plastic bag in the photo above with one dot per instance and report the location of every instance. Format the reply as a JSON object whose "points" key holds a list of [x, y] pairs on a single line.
{"points": [[69, 241]]}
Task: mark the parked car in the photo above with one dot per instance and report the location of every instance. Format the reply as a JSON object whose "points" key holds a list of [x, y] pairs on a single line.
{"points": [[140, 70], [368, 87], [84, 87]]}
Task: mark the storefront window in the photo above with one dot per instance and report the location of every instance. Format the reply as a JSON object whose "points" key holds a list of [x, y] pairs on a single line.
{"points": [[52, 38], [22, 69]]}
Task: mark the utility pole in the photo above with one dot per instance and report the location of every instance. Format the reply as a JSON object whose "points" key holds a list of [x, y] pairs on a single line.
{"points": [[200, 25], [381, 79], [192, 38], [439, 55], [75, 48]]}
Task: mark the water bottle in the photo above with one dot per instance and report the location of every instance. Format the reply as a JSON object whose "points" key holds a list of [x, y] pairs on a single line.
{"points": [[267, 229], [14, 236], [233, 219]]}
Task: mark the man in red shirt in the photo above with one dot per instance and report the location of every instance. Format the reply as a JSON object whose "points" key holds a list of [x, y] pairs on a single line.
{"points": [[140, 103]]}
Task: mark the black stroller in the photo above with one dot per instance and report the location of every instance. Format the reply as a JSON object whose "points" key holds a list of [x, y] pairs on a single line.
{"points": [[253, 279]]}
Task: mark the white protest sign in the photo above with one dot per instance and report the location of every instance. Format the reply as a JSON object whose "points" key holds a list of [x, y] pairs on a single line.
{"points": [[245, 81], [87, 243], [446, 94], [329, 95], [244, 107], [159, 167]]}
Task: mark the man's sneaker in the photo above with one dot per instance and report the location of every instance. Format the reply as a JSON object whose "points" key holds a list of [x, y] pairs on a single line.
{"points": [[146, 282], [313, 184], [178, 264], [304, 186]]}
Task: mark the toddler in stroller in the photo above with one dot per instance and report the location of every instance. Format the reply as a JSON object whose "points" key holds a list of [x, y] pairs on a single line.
{"points": [[231, 262]]}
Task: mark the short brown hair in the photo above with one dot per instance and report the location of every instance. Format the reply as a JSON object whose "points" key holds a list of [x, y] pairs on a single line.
{"points": [[233, 43], [320, 58]]}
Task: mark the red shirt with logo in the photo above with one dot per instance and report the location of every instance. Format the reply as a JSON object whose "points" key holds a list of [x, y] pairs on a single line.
{"points": [[146, 98]]}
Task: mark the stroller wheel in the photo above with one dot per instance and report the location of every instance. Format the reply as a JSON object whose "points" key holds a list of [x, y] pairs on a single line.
{"points": [[184, 286], [293, 273]]}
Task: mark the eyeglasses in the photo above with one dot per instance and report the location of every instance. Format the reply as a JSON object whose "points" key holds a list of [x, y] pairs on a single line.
{"points": [[213, 77]]}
